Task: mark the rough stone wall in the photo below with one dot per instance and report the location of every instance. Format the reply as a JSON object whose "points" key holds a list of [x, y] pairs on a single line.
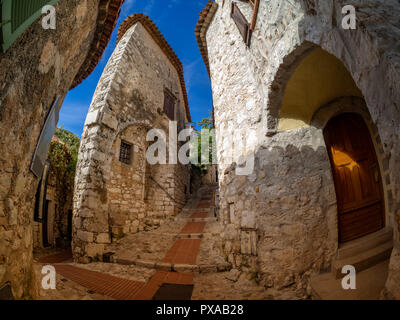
{"points": [[165, 192], [59, 214], [279, 219], [130, 93], [210, 177], [40, 65], [126, 186]]}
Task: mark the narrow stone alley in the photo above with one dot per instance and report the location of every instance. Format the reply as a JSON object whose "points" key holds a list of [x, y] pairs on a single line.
{"points": [[256, 158], [181, 260]]}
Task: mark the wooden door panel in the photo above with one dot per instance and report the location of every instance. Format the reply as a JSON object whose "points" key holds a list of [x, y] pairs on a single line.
{"points": [[356, 176], [360, 222]]}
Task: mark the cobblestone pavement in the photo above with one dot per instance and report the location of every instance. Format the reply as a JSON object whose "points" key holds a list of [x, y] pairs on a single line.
{"points": [[235, 286], [186, 242]]}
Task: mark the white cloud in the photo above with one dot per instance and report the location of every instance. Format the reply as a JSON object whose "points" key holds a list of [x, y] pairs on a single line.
{"points": [[149, 7]]}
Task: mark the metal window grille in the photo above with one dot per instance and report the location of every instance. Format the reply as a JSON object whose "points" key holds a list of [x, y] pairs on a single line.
{"points": [[125, 154], [169, 105]]}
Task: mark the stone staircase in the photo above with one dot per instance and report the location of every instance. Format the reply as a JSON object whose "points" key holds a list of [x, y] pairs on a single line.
{"points": [[370, 256], [188, 229]]}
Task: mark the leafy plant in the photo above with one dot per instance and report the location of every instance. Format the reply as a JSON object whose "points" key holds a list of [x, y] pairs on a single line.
{"points": [[206, 133]]}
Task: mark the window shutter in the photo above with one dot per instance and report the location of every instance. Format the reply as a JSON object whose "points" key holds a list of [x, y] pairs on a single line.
{"points": [[241, 23], [17, 16], [125, 153], [42, 147], [169, 105]]}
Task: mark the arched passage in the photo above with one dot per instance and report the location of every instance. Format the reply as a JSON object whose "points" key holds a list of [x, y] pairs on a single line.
{"points": [[319, 88], [319, 79]]}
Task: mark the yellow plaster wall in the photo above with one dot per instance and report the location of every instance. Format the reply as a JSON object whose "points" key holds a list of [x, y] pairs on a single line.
{"points": [[318, 80]]}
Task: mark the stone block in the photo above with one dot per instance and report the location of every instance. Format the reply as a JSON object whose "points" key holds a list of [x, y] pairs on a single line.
{"points": [[146, 264], [85, 236], [165, 266], [110, 121], [248, 242], [92, 118], [95, 250], [248, 220], [186, 268], [103, 238]]}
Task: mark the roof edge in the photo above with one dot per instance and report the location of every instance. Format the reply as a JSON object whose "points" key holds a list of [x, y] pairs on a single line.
{"points": [[107, 17], [205, 18]]}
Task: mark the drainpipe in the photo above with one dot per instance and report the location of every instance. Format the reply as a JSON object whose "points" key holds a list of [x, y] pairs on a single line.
{"points": [[255, 14]]}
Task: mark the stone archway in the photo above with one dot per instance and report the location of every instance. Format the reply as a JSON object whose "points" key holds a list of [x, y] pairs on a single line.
{"points": [[292, 184], [369, 72], [304, 92]]}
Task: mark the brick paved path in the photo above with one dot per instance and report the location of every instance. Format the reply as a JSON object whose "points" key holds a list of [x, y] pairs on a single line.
{"points": [[183, 251], [151, 288], [110, 286]]}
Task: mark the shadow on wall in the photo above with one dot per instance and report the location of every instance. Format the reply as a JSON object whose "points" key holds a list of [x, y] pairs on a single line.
{"points": [[285, 212]]}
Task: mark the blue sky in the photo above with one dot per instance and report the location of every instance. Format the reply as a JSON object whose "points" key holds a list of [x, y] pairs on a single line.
{"points": [[176, 19]]}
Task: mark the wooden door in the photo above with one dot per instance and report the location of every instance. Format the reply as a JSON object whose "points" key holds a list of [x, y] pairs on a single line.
{"points": [[356, 175]]}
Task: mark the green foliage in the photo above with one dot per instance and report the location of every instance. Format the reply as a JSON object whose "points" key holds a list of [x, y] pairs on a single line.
{"points": [[206, 123], [206, 133], [63, 158]]}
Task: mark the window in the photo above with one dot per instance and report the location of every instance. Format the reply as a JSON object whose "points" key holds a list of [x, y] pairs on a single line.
{"points": [[47, 133], [125, 154], [169, 105]]}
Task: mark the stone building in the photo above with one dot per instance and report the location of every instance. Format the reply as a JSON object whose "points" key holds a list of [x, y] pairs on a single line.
{"points": [[321, 126], [117, 190], [38, 66]]}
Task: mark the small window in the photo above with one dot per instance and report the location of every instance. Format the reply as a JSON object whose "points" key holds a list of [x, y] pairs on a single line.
{"points": [[169, 105], [125, 154]]}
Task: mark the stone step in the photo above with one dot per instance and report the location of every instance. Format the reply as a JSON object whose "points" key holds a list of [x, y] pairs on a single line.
{"points": [[364, 260], [190, 210], [369, 284], [189, 219], [366, 243], [166, 266], [209, 219]]}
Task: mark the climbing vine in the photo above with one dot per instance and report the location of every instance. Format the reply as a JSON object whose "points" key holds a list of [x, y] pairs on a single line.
{"points": [[63, 158]]}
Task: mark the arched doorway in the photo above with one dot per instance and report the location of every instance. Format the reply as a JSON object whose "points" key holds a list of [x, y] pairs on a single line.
{"points": [[356, 175]]}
